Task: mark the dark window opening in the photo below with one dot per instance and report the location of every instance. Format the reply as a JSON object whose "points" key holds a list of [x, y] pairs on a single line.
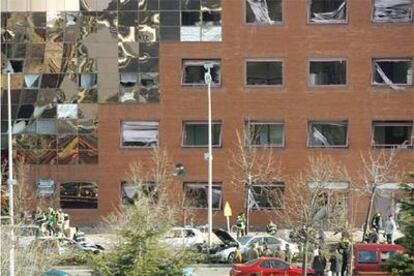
{"points": [[196, 196], [139, 134], [329, 134], [265, 134], [79, 195], [266, 196], [196, 134], [389, 134], [264, 73], [327, 11], [327, 72], [193, 72], [263, 11], [392, 72]]}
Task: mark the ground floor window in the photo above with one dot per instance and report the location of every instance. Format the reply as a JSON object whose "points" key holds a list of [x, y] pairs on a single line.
{"points": [[266, 196], [196, 196], [79, 195], [129, 191]]}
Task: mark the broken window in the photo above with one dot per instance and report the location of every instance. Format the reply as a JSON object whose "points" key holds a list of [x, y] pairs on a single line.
{"points": [[265, 134], [392, 73], [193, 72], [196, 134], [67, 111], [129, 191], [79, 195], [328, 134], [263, 11], [139, 134], [392, 133], [266, 196], [87, 80], [264, 73], [392, 11], [196, 196], [31, 81], [327, 11], [327, 72]]}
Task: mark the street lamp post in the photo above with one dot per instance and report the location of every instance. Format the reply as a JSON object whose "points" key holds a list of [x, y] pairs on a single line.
{"points": [[208, 79], [11, 181]]}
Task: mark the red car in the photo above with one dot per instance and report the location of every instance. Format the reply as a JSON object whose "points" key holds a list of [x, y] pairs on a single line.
{"points": [[369, 257], [267, 267]]}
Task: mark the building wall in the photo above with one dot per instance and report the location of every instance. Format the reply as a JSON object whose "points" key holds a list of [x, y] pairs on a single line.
{"points": [[295, 42]]}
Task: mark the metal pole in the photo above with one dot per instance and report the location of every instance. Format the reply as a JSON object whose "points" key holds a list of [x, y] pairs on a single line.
{"points": [[207, 77], [11, 180]]}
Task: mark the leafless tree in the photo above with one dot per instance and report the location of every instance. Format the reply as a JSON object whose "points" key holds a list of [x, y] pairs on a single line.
{"points": [[378, 167], [310, 204], [252, 164]]}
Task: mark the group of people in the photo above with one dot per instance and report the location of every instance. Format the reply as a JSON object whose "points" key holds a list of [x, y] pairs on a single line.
{"points": [[376, 223], [52, 222], [256, 251]]}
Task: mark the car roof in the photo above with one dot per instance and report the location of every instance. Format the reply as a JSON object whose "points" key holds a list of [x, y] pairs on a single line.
{"points": [[375, 246]]}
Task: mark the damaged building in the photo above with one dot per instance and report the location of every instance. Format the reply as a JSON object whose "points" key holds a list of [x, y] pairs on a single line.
{"points": [[97, 84]]}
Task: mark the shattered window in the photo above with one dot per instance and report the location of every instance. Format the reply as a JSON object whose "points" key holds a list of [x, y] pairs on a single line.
{"points": [[392, 133], [327, 72], [139, 134], [328, 134], [193, 72], [392, 11], [392, 73], [196, 196], [196, 134], [129, 191], [264, 73], [79, 195], [263, 11], [265, 134], [327, 11], [266, 196], [67, 111]]}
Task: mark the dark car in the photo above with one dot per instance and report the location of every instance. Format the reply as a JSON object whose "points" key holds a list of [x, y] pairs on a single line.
{"points": [[267, 267], [368, 258]]}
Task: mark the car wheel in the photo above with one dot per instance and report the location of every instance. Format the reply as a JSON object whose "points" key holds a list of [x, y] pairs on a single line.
{"points": [[230, 258]]}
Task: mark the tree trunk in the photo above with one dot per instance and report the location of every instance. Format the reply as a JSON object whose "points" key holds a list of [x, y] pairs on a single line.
{"points": [[247, 211], [305, 257], [371, 202]]}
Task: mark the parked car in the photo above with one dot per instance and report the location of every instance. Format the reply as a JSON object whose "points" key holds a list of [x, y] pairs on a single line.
{"points": [[62, 246], [368, 258], [184, 237], [225, 252], [267, 267]]}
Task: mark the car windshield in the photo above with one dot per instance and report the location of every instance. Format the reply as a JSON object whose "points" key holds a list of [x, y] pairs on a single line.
{"points": [[244, 240]]}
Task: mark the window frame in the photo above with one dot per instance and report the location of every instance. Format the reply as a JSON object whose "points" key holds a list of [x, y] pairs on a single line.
{"points": [[264, 60], [146, 184], [202, 184], [309, 22], [309, 130], [281, 185], [408, 123], [184, 135], [247, 129], [310, 60], [276, 24], [373, 21], [384, 85], [137, 147], [79, 182], [205, 61]]}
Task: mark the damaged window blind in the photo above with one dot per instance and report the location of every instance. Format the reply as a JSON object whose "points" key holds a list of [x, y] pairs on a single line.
{"points": [[263, 11], [392, 73], [327, 72], [392, 133], [392, 11], [264, 196], [328, 11], [139, 134], [193, 72], [328, 134], [264, 73]]}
